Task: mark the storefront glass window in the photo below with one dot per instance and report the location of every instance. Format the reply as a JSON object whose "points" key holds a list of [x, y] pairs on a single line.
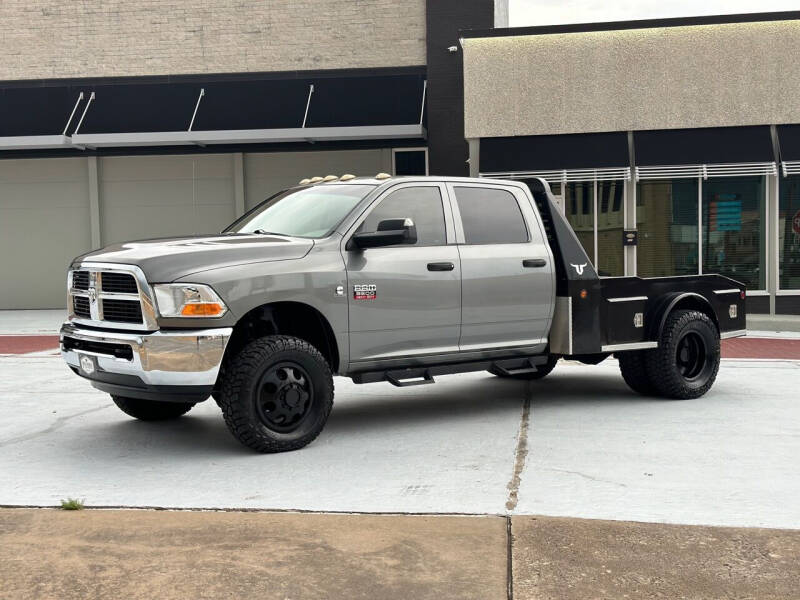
{"points": [[579, 210], [666, 215], [610, 224], [734, 226], [789, 233]]}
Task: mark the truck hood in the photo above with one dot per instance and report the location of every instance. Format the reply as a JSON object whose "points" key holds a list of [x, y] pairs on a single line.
{"points": [[167, 259]]}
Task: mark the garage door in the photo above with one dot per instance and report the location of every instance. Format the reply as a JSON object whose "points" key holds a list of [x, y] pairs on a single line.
{"points": [[161, 196], [44, 223], [267, 173]]}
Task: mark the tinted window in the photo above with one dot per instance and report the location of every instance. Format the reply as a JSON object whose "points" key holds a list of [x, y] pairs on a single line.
{"points": [[490, 216], [422, 204], [409, 162]]}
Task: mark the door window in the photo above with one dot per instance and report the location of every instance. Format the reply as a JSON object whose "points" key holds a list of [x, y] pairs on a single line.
{"points": [[490, 216], [423, 205]]}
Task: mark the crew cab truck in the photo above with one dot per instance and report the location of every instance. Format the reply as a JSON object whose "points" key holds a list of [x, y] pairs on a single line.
{"points": [[397, 279]]}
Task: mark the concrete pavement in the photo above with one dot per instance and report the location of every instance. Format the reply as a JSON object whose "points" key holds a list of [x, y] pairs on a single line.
{"points": [[594, 449], [170, 555]]}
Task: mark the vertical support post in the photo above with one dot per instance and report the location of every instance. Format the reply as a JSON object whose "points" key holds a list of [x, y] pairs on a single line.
{"points": [[474, 159], [94, 202], [629, 218], [238, 184], [700, 225], [771, 246], [594, 225]]}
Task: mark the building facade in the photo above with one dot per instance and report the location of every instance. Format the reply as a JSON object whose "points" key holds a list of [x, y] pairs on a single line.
{"points": [[673, 145], [147, 118]]}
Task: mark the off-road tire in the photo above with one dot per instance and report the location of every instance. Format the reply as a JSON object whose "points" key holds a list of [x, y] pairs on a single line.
{"points": [[541, 370], [666, 364], [633, 365], [151, 410], [240, 391]]}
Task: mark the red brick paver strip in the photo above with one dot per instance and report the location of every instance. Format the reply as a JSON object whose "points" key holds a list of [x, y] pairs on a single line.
{"points": [[22, 344], [761, 348]]}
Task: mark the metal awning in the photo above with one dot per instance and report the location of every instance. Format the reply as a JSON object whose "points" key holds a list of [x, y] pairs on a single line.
{"points": [[325, 107], [249, 136], [31, 117]]}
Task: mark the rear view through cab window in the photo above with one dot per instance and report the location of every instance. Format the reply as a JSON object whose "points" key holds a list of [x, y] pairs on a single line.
{"points": [[490, 216]]}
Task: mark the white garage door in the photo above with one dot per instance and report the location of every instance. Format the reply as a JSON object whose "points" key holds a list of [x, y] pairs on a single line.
{"points": [[44, 223], [268, 173], [160, 196]]}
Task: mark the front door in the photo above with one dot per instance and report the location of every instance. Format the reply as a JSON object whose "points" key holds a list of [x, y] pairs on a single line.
{"points": [[405, 300]]}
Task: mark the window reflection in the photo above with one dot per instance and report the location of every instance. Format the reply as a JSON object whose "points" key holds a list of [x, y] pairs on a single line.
{"points": [[734, 226]]}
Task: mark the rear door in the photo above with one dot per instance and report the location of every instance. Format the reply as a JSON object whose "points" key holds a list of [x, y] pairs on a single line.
{"points": [[507, 271], [412, 303]]}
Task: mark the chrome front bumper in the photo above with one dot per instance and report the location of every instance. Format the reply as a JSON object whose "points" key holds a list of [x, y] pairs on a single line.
{"points": [[160, 358]]}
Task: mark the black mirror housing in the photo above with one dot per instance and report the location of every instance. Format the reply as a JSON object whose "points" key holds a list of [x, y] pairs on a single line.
{"points": [[390, 232]]}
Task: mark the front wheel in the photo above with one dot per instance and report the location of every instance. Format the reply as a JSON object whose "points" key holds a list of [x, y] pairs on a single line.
{"points": [[686, 362], [276, 394], [150, 410]]}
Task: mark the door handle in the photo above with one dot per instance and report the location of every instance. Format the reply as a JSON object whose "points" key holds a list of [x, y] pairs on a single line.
{"points": [[441, 266], [534, 262]]}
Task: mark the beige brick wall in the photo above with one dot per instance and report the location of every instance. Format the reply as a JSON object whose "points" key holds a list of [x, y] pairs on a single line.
{"points": [[668, 78], [91, 38]]}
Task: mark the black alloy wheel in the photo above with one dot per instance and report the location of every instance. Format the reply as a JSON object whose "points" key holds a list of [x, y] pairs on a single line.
{"points": [[285, 397], [276, 394], [690, 358]]}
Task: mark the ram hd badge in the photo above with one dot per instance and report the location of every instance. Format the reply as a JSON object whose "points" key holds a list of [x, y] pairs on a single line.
{"points": [[365, 291]]}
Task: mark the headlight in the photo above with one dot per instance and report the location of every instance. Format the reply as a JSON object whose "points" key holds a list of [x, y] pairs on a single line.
{"points": [[188, 300]]}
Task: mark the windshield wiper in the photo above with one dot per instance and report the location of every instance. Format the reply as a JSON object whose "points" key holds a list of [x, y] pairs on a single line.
{"points": [[265, 232]]}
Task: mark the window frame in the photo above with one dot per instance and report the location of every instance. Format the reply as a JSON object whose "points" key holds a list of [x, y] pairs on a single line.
{"points": [[523, 204], [449, 228], [395, 151], [776, 219]]}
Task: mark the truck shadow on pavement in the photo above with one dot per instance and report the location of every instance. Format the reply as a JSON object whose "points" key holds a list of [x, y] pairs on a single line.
{"points": [[376, 408]]}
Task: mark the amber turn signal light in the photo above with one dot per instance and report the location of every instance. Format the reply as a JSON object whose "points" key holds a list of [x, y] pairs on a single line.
{"points": [[584, 294], [202, 309]]}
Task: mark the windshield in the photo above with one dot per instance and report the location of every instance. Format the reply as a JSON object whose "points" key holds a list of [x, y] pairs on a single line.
{"points": [[312, 212]]}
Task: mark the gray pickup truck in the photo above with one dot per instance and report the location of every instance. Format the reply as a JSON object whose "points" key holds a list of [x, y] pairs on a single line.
{"points": [[396, 279]]}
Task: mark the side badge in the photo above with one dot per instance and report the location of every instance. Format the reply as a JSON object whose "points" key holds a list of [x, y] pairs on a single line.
{"points": [[365, 291]]}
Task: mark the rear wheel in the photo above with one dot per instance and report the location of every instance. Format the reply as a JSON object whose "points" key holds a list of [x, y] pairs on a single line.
{"points": [[149, 410], [686, 362], [633, 366], [276, 394]]}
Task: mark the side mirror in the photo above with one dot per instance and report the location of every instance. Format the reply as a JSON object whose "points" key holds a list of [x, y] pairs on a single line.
{"points": [[390, 233]]}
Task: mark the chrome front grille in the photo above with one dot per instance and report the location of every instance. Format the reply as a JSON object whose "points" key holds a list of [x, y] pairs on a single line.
{"points": [[112, 296]]}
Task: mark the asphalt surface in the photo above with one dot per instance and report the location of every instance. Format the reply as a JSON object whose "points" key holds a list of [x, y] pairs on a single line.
{"points": [[584, 447]]}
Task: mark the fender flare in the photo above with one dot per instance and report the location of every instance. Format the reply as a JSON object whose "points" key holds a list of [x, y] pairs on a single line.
{"points": [[659, 314]]}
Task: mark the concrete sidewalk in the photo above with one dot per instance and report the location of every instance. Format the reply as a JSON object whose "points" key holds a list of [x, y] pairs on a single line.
{"points": [[176, 555]]}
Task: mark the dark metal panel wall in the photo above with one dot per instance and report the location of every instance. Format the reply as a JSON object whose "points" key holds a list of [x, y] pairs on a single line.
{"points": [[446, 146], [546, 152], [703, 146]]}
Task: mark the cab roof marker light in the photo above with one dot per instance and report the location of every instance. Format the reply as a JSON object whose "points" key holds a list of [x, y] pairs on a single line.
{"points": [[305, 181], [316, 179], [382, 176], [330, 178], [347, 177]]}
